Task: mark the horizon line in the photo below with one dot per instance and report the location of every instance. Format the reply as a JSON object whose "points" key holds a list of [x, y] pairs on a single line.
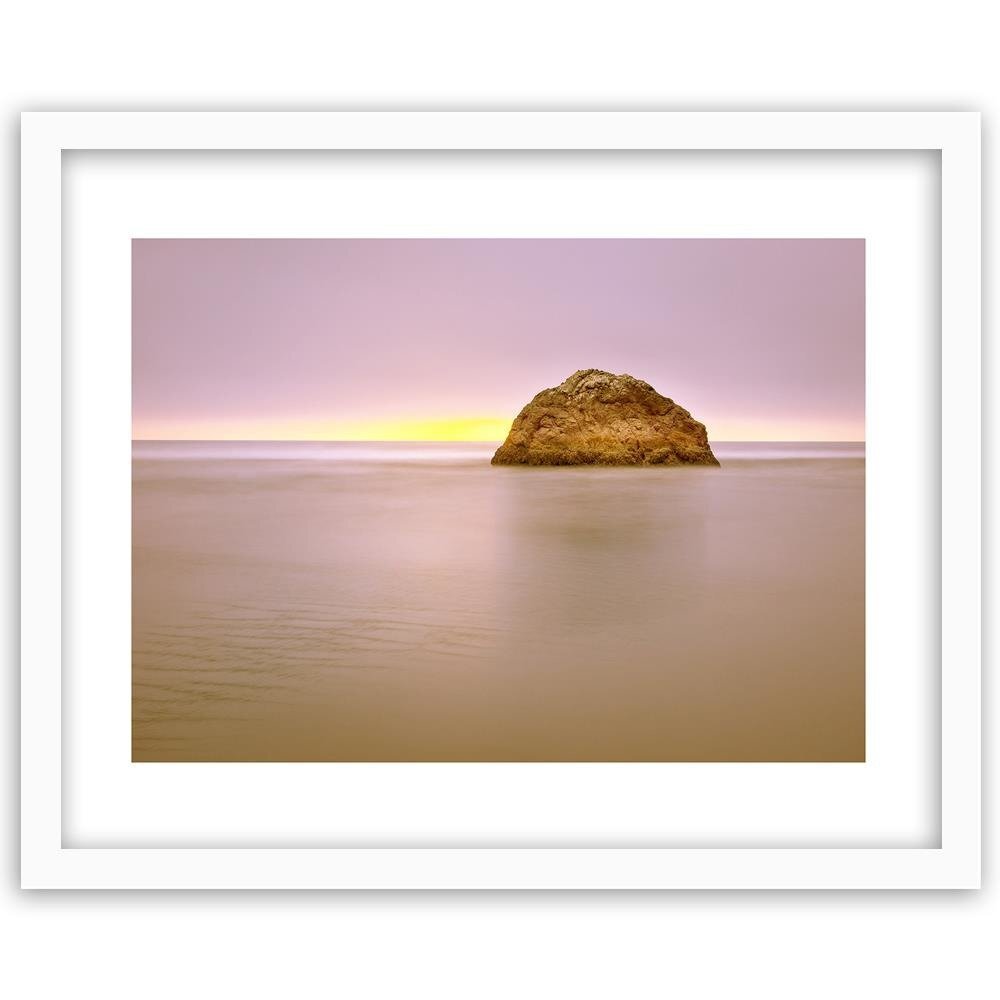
{"points": [[497, 441]]}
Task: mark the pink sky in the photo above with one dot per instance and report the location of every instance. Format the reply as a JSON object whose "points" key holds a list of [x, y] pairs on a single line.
{"points": [[759, 339]]}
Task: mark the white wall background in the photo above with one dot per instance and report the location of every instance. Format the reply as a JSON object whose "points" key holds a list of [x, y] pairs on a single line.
{"points": [[105, 54]]}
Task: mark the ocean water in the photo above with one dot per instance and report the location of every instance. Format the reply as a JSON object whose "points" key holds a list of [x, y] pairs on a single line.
{"points": [[301, 601]]}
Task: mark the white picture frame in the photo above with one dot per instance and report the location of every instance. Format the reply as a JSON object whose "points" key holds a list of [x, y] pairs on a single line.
{"points": [[48, 861]]}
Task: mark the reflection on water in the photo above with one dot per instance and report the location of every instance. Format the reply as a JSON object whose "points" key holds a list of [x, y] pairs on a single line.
{"points": [[316, 601]]}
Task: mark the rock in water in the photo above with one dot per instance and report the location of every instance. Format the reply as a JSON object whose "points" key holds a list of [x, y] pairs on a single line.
{"points": [[596, 418]]}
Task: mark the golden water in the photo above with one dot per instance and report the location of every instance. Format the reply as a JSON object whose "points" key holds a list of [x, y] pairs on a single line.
{"points": [[362, 602]]}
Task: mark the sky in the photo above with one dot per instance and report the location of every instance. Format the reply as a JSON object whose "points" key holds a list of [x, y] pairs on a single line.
{"points": [[446, 339]]}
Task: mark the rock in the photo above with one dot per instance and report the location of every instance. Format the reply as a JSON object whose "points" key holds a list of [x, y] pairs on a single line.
{"points": [[596, 418]]}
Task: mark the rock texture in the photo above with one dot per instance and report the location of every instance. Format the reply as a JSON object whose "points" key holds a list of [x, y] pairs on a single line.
{"points": [[596, 418]]}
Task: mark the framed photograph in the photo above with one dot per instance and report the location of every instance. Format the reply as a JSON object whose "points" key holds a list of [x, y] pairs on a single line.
{"points": [[486, 500]]}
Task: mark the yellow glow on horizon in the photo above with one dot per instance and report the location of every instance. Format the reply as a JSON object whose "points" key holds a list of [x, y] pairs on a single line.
{"points": [[448, 428], [431, 429], [456, 428], [492, 429]]}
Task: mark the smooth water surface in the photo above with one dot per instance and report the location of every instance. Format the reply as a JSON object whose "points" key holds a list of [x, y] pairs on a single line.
{"points": [[398, 601]]}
